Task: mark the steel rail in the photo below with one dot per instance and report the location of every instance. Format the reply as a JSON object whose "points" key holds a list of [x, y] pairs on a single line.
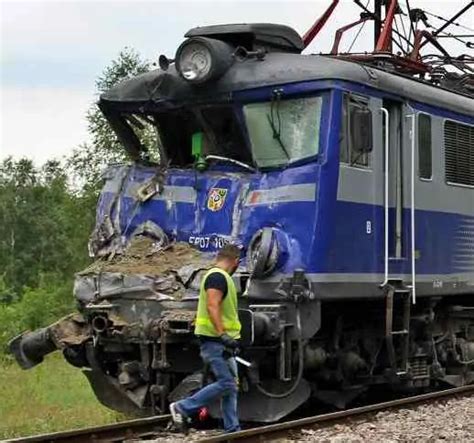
{"points": [[263, 433], [106, 433], [150, 427]]}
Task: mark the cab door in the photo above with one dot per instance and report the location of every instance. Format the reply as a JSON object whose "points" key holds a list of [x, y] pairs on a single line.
{"points": [[397, 137], [357, 251]]}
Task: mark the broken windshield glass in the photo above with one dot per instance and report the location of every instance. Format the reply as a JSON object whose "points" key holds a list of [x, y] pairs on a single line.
{"points": [[222, 134], [166, 137], [283, 131], [146, 131]]}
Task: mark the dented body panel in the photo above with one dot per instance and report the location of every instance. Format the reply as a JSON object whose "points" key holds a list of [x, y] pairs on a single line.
{"points": [[250, 203]]}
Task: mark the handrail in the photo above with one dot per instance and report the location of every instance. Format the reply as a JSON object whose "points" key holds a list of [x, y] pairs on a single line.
{"points": [[386, 183], [412, 202]]}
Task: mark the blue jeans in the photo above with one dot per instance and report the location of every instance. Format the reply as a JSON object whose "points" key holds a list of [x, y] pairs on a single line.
{"points": [[225, 386]]}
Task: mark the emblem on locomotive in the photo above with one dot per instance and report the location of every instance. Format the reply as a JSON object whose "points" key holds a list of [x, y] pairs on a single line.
{"points": [[216, 199]]}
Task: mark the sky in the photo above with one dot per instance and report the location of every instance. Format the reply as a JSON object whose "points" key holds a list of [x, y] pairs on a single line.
{"points": [[51, 52]]}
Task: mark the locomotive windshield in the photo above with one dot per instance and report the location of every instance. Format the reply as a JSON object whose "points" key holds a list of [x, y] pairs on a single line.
{"points": [[283, 131], [223, 135], [279, 132]]}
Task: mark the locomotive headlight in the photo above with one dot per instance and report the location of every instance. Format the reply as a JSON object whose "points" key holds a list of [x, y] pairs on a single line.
{"points": [[195, 61], [267, 251], [200, 59]]}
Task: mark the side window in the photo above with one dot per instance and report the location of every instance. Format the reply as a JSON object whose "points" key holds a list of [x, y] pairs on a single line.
{"points": [[459, 153], [424, 147], [348, 154]]}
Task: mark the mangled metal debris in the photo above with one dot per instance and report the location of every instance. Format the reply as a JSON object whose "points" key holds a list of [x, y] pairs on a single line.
{"points": [[144, 269], [30, 348]]}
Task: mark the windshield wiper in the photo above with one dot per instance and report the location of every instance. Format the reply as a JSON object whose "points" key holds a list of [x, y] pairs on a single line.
{"points": [[271, 122], [277, 137], [230, 160]]}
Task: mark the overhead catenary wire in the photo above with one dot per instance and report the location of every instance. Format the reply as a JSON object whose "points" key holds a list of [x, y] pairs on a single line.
{"points": [[356, 36], [446, 20], [445, 34], [417, 32], [399, 36], [376, 17], [458, 38], [450, 21], [359, 31], [441, 33], [407, 37], [412, 28]]}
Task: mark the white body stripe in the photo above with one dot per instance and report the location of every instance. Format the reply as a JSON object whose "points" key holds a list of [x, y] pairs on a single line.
{"points": [[305, 192]]}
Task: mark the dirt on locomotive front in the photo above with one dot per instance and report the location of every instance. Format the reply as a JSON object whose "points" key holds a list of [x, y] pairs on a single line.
{"points": [[143, 255], [170, 269]]}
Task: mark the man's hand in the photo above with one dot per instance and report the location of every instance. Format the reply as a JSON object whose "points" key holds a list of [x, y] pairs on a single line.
{"points": [[229, 342]]}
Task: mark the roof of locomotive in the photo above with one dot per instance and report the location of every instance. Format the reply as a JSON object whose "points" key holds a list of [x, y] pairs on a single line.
{"points": [[277, 68], [271, 36]]}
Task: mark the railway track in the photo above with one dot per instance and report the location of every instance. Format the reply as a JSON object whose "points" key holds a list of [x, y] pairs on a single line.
{"points": [[141, 428], [263, 433], [155, 427]]}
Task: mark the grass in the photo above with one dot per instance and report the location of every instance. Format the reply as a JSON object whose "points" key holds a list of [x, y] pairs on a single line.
{"points": [[53, 396]]}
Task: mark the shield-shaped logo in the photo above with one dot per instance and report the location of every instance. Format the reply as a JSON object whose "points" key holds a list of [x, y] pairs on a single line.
{"points": [[216, 199]]}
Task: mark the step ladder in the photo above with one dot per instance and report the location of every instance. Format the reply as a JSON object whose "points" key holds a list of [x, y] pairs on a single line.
{"points": [[398, 364]]}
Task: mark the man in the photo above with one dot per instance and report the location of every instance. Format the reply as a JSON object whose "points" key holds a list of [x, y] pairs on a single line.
{"points": [[218, 328]]}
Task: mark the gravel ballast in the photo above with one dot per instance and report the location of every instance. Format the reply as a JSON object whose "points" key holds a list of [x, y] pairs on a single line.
{"points": [[441, 421], [445, 420]]}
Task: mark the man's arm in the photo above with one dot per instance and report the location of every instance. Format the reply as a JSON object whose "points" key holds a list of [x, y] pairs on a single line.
{"points": [[214, 301]]}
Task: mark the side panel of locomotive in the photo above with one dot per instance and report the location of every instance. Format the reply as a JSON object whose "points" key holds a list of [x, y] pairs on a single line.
{"points": [[354, 257]]}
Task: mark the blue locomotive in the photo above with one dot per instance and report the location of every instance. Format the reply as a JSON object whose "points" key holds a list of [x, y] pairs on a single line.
{"points": [[349, 185]]}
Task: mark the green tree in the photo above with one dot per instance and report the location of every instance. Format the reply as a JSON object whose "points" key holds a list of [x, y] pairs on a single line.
{"points": [[44, 221], [127, 65], [89, 159], [47, 214], [42, 224]]}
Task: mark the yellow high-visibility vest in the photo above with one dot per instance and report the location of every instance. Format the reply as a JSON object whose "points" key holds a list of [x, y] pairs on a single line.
{"points": [[229, 309]]}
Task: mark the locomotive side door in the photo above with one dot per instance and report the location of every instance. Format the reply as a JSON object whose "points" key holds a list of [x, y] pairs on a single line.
{"points": [[398, 192], [379, 183]]}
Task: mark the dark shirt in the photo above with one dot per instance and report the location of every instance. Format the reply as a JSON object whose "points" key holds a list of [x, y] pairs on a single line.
{"points": [[216, 281]]}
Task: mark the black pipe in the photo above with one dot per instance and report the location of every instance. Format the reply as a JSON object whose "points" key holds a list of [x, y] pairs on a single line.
{"points": [[30, 348], [100, 323]]}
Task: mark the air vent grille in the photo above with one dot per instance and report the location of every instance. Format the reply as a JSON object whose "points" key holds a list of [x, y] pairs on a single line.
{"points": [[459, 153]]}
